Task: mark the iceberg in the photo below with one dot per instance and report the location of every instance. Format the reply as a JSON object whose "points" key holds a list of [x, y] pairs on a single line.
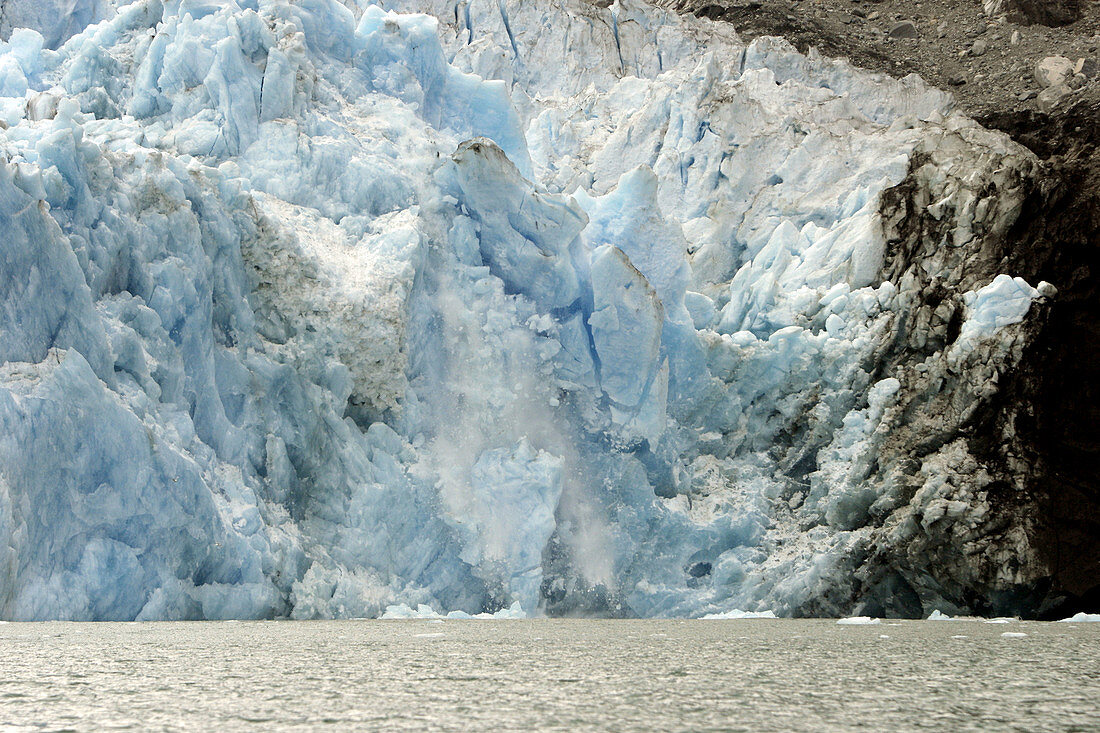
{"points": [[315, 309], [859, 621]]}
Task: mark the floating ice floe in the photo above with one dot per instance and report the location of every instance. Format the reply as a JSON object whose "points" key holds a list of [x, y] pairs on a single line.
{"points": [[737, 613], [1081, 618], [859, 621]]}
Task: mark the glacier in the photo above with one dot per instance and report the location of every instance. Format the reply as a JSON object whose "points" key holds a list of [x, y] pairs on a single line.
{"points": [[315, 309]]}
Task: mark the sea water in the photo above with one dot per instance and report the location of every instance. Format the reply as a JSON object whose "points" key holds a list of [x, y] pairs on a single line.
{"points": [[746, 675]]}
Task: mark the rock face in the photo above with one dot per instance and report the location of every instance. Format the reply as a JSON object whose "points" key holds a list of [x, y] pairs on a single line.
{"points": [[310, 308], [1050, 399]]}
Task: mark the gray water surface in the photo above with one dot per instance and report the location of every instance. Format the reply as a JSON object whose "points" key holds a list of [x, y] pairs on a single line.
{"points": [[551, 674]]}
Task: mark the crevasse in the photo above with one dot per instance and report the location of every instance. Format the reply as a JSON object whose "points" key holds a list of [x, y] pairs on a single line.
{"points": [[309, 308]]}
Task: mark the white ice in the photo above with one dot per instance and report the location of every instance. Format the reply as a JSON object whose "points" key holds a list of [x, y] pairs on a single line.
{"points": [[1081, 618], [737, 613], [859, 621]]}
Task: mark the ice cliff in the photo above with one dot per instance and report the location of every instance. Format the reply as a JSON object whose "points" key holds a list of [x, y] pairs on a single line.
{"points": [[310, 308]]}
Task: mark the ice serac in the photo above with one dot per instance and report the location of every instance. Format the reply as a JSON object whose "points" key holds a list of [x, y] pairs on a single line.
{"points": [[315, 310], [626, 332]]}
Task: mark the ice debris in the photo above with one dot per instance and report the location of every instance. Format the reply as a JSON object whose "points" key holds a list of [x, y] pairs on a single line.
{"points": [[401, 611]]}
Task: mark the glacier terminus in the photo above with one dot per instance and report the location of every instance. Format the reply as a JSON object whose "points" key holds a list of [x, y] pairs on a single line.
{"points": [[313, 308]]}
